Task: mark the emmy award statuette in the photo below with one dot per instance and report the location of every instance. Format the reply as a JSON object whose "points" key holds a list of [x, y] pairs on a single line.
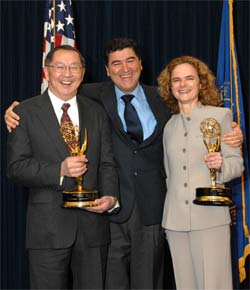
{"points": [[79, 197], [213, 194]]}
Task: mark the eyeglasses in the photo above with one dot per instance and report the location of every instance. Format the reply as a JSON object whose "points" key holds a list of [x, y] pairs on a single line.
{"points": [[60, 68]]}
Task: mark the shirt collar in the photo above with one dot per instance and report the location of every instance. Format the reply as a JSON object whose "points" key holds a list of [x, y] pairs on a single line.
{"points": [[119, 93], [57, 102]]}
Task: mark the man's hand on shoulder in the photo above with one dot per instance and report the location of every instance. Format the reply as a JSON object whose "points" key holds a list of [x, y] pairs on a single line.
{"points": [[234, 138], [11, 118]]}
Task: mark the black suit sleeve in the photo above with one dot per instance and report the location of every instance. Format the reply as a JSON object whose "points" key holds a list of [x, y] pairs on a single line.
{"points": [[102, 169], [25, 164], [107, 170]]}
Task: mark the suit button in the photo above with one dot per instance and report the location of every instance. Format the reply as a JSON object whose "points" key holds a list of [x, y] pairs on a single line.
{"points": [[185, 184], [135, 152], [186, 202], [185, 134], [188, 118], [184, 150], [184, 167], [135, 173]]}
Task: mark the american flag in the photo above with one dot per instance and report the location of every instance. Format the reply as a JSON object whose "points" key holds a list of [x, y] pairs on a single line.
{"points": [[58, 29]]}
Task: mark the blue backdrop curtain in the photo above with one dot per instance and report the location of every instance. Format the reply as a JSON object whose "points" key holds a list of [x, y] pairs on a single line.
{"points": [[164, 29]]}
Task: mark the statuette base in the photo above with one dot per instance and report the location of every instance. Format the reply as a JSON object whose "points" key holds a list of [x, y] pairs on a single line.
{"points": [[79, 199], [213, 196]]}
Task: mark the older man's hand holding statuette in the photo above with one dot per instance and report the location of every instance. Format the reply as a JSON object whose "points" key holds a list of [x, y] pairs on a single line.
{"points": [[214, 194], [79, 197]]}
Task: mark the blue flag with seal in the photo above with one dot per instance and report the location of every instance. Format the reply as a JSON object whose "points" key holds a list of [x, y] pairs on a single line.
{"points": [[228, 82]]}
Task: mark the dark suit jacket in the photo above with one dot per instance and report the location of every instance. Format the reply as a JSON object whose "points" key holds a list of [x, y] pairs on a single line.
{"points": [[35, 152], [141, 170]]}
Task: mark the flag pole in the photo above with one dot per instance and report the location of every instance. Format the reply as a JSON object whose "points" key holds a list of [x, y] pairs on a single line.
{"points": [[54, 20]]}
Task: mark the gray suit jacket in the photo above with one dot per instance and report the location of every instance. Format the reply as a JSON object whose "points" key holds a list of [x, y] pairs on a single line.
{"points": [[186, 169], [35, 152]]}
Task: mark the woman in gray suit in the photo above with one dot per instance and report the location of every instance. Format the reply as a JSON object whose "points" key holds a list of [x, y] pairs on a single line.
{"points": [[198, 236]]}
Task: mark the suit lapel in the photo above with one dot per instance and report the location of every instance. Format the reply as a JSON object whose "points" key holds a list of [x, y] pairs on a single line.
{"points": [[109, 101], [157, 105], [50, 123], [83, 118], [158, 108]]}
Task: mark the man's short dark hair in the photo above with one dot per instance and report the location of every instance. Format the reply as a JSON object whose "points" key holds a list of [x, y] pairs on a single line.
{"points": [[50, 55], [119, 44]]}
